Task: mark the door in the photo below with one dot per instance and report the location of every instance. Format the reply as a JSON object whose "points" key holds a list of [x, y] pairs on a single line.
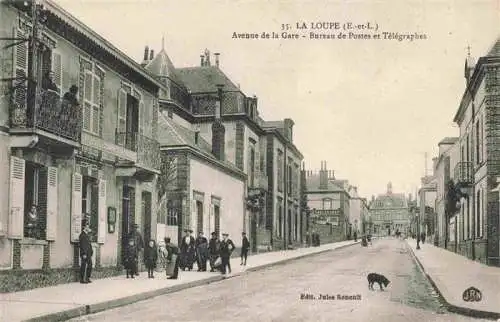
{"points": [[289, 223], [128, 214], [132, 125], [217, 220], [253, 229], [146, 215]]}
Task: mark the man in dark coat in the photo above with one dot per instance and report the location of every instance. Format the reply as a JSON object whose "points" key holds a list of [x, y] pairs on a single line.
{"points": [[201, 252], [214, 250], [245, 245], [188, 251], [86, 253], [139, 243], [172, 250], [226, 248]]}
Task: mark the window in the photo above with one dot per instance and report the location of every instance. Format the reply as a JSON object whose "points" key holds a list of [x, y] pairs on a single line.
{"points": [[290, 179], [90, 210], [251, 167], [280, 170], [478, 143], [92, 101], [32, 191], [478, 214], [171, 214]]}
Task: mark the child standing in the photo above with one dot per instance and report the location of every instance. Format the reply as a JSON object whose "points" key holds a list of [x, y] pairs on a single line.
{"points": [[130, 258], [150, 257]]}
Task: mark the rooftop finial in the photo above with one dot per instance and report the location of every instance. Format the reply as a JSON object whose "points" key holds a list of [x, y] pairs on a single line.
{"points": [[163, 42], [468, 50]]}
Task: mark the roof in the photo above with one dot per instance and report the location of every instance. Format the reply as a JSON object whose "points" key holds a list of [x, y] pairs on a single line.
{"points": [[205, 79], [448, 140], [162, 66], [313, 185], [81, 28], [171, 134], [274, 124], [392, 200]]}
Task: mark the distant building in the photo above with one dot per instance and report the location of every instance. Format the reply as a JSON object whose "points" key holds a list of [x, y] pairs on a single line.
{"points": [[329, 202], [389, 212], [357, 211], [427, 206]]}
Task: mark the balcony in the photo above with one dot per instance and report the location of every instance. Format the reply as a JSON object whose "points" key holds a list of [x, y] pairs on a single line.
{"points": [[147, 150], [463, 174], [53, 122]]}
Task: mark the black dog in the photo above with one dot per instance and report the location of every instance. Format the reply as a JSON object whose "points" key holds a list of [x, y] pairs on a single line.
{"points": [[377, 278]]}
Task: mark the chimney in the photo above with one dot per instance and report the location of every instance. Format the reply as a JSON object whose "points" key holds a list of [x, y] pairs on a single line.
{"points": [[323, 176], [146, 51], [217, 59], [218, 130], [202, 61], [434, 164], [207, 57], [151, 54]]}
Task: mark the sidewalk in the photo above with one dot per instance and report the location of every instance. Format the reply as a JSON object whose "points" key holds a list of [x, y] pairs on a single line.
{"points": [[451, 274], [67, 301]]}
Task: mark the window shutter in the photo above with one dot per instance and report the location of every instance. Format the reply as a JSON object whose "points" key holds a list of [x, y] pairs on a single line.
{"points": [[57, 70], [96, 100], [87, 107], [21, 71], [16, 214], [101, 237], [122, 115], [76, 207], [52, 201]]}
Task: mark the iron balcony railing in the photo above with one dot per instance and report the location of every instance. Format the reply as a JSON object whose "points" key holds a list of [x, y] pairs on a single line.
{"points": [[148, 150], [463, 173], [50, 113]]}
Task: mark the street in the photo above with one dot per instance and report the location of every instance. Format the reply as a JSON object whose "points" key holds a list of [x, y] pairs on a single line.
{"points": [[274, 294]]}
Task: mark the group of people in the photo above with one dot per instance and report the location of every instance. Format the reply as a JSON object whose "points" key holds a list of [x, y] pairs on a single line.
{"points": [[312, 239], [200, 250]]}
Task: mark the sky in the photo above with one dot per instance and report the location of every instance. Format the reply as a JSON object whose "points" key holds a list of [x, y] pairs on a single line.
{"points": [[371, 108]]}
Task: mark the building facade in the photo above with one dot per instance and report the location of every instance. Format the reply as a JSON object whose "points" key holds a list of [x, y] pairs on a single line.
{"points": [[91, 155], [445, 234], [284, 193], [389, 212], [329, 202], [427, 206], [479, 167], [358, 211]]}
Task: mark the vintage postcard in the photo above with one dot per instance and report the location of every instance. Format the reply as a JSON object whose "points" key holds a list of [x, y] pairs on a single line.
{"points": [[249, 160]]}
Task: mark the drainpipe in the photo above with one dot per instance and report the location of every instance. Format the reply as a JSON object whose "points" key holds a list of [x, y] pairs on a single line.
{"points": [[285, 197]]}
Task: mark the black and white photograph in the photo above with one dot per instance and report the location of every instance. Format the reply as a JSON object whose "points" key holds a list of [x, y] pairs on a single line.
{"points": [[249, 160]]}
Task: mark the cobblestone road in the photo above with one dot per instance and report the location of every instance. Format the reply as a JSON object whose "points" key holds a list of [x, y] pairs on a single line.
{"points": [[274, 294]]}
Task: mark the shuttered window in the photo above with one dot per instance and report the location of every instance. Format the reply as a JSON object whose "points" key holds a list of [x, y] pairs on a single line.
{"points": [[57, 70], [20, 71], [122, 115], [16, 204], [92, 102], [52, 201], [76, 206]]}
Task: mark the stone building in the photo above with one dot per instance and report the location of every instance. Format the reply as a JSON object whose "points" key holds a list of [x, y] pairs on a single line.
{"points": [[427, 205], [329, 202], [284, 194], [358, 209], [478, 170], [94, 154], [445, 230], [389, 212], [201, 97]]}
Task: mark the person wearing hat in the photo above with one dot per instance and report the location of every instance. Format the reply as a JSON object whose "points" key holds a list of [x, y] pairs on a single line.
{"points": [[139, 244], [245, 245], [213, 250], [86, 253], [201, 252], [172, 252], [226, 248], [188, 250]]}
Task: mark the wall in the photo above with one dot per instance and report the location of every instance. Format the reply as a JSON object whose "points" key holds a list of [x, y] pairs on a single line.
{"points": [[5, 243], [211, 181]]}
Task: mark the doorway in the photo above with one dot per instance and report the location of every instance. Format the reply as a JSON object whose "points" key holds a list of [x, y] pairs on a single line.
{"points": [[128, 215], [289, 223], [146, 215], [199, 216]]}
